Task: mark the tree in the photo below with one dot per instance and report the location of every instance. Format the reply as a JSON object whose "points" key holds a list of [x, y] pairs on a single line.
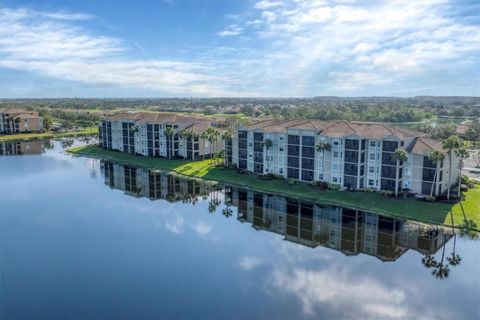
{"points": [[204, 135], [441, 270], [227, 137], [169, 132], [47, 122], [463, 154], [322, 147], [268, 145], [184, 134], [473, 136], [450, 144], [399, 155], [436, 157]]}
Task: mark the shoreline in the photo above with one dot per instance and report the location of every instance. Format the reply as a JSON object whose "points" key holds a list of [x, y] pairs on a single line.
{"points": [[412, 209], [47, 135]]}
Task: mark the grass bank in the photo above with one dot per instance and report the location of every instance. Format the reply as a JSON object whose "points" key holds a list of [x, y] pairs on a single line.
{"points": [[437, 213], [48, 135]]}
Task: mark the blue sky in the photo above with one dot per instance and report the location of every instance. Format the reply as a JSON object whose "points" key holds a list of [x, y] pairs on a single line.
{"points": [[211, 48]]}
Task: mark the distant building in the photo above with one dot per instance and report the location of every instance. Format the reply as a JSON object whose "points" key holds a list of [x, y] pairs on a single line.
{"points": [[358, 155], [18, 121], [145, 134]]}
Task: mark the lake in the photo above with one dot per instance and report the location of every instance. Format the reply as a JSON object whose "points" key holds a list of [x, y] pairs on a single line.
{"points": [[83, 238]]}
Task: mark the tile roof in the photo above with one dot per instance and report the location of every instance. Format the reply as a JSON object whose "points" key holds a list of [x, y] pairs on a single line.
{"points": [[18, 111], [425, 146], [336, 128], [154, 117]]}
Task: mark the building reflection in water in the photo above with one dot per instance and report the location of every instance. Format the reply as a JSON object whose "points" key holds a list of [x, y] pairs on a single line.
{"points": [[11, 148], [346, 230], [141, 182]]}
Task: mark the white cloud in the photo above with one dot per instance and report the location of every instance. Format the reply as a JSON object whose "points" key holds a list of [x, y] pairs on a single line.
{"points": [[202, 228], [51, 44], [175, 225], [381, 47], [279, 48], [267, 4], [248, 263], [364, 296]]}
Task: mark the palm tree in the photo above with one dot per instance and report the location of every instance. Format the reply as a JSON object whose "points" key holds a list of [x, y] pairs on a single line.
{"points": [[215, 135], [268, 145], [322, 147], [183, 134], [441, 270], [227, 212], [452, 143], [436, 157], [205, 136], [463, 154], [226, 137], [399, 155], [169, 132]]}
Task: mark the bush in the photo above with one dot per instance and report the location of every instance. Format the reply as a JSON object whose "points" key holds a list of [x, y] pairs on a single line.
{"points": [[334, 187], [271, 176], [430, 198], [388, 193], [291, 182], [322, 185]]}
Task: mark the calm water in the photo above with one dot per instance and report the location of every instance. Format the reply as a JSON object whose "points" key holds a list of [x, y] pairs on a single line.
{"points": [[80, 238]]}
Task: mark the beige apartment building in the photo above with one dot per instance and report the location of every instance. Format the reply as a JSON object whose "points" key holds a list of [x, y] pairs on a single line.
{"points": [[18, 121], [145, 134], [355, 155]]}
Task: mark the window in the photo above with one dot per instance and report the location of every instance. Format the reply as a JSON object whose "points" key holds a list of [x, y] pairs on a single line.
{"points": [[334, 179], [372, 156], [308, 141], [293, 139], [371, 182], [372, 143], [371, 169], [335, 154], [280, 149], [335, 143]]}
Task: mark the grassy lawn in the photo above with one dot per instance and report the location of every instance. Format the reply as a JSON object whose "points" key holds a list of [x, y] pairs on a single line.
{"points": [[47, 135], [470, 208], [437, 213]]}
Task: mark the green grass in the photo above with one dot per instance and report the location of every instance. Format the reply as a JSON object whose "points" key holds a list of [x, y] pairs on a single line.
{"points": [[437, 213], [48, 135], [469, 209]]}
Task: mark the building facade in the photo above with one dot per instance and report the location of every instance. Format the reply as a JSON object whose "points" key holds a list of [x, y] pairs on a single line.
{"points": [[18, 121], [158, 135], [349, 154]]}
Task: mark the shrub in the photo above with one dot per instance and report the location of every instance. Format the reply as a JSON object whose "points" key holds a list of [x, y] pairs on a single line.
{"points": [[291, 182], [430, 198], [334, 187], [322, 185], [388, 193]]}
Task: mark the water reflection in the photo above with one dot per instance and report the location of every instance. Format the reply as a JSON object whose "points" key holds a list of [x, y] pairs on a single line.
{"points": [[351, 232], [12, 148]]}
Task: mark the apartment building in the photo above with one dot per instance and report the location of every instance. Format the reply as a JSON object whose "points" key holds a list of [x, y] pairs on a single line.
{"points": [[351, 232], [146, 134], [18, 121], [355, 155]]}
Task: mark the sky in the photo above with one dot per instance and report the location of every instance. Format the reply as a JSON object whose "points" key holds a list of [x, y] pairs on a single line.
{"points": [[238, 48]]}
